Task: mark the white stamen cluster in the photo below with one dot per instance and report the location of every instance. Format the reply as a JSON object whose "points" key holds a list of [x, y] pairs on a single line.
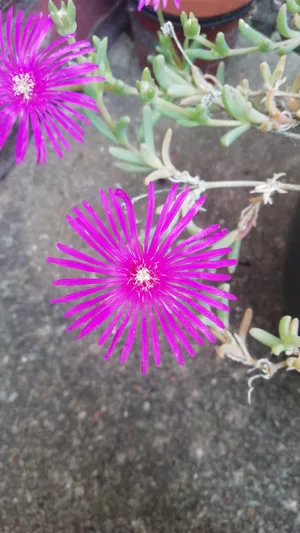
{"points": [[23, 84], [143, 278], [143, 275]]}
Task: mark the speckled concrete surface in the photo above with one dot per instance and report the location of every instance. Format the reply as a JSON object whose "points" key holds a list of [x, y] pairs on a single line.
{"points": [[92, 447]]}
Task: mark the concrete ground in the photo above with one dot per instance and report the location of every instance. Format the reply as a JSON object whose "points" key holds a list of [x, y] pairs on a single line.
{"points": [[92, 447]]}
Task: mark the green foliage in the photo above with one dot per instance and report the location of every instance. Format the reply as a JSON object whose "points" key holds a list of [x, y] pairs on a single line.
{"points": [[146, 88], [63, 18], [288, 340], [190, 25]]}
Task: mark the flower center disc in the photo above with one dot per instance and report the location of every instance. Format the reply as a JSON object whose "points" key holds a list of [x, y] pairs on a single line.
{"points": [[23, 85], [143, 275], [144, 278]]}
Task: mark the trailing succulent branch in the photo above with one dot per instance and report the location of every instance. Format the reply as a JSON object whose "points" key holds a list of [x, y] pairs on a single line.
{"points": [[180, 90], [234, 346]]}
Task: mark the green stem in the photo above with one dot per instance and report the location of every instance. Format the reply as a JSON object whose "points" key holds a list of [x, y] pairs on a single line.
{"points": [[162, 22], [214, 122], [233, 52], [186, 43], [244, 183], [241, 51], [204, 42], [173, 107], [160, 17], [105, 113], [287, 42]]}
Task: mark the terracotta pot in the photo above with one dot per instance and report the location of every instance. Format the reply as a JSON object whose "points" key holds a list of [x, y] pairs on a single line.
{"points": [[206, 8], [213, 16]]}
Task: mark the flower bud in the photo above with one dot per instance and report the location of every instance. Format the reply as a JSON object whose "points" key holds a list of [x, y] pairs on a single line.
{"points": [[146, 87], [63, 18], [191, 27]]}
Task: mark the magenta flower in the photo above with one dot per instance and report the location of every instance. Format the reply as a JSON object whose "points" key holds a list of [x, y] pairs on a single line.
{"points": [[133, 286], [156, 4], [31, 86]]}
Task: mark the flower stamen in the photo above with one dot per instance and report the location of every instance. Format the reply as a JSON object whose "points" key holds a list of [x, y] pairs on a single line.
{"points": [[143, 276], [23, 84], [144, 279]]}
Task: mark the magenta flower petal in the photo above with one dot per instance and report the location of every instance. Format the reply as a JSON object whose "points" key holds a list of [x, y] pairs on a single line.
{"points": [[156, 4], [31, 82], [140, 288]]}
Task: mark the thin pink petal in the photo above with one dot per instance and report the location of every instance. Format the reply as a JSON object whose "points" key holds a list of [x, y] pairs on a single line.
{"points": [[119, 332], [154, 337], [130, 337]]}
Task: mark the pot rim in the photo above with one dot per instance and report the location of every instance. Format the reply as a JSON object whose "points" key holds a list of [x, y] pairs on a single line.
{"points": [[205, 22]]}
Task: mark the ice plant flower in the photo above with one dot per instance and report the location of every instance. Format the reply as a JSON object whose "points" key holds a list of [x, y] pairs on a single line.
{"points": [[32, 81], [156, 4], [130, 285]]}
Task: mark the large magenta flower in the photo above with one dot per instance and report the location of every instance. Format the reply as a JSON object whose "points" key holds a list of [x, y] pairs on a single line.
{"points": [[156, 4], [31, 81], [135, 285]]}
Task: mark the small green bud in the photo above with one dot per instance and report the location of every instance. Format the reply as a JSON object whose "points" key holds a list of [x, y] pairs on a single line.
{"points": [[63, 18], [183, 18], [164, 40], [146, 74], [191, 27], [146, 88]]}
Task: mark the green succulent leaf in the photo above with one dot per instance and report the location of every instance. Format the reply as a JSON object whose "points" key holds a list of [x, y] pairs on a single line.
{"points": [[240, 108], [265, 72], [185, 123], [284, 327], [292, 341], [282, 24], [199, 115], [100, 126], [278, 349], [164, 74], [155, 117], [202, 53], [293, 6], [264, 337], [286, 49], [231, 136], [150, 158], [121, 130], [221, 45], [181, 91], [235, 254], [296, 21], [101, 50], [228, 240], [171, 110], [91, 91], [234, 106], [220, 74], [127, 155], [130, 167], [255, 37], [224, 315], [148, 127]]}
